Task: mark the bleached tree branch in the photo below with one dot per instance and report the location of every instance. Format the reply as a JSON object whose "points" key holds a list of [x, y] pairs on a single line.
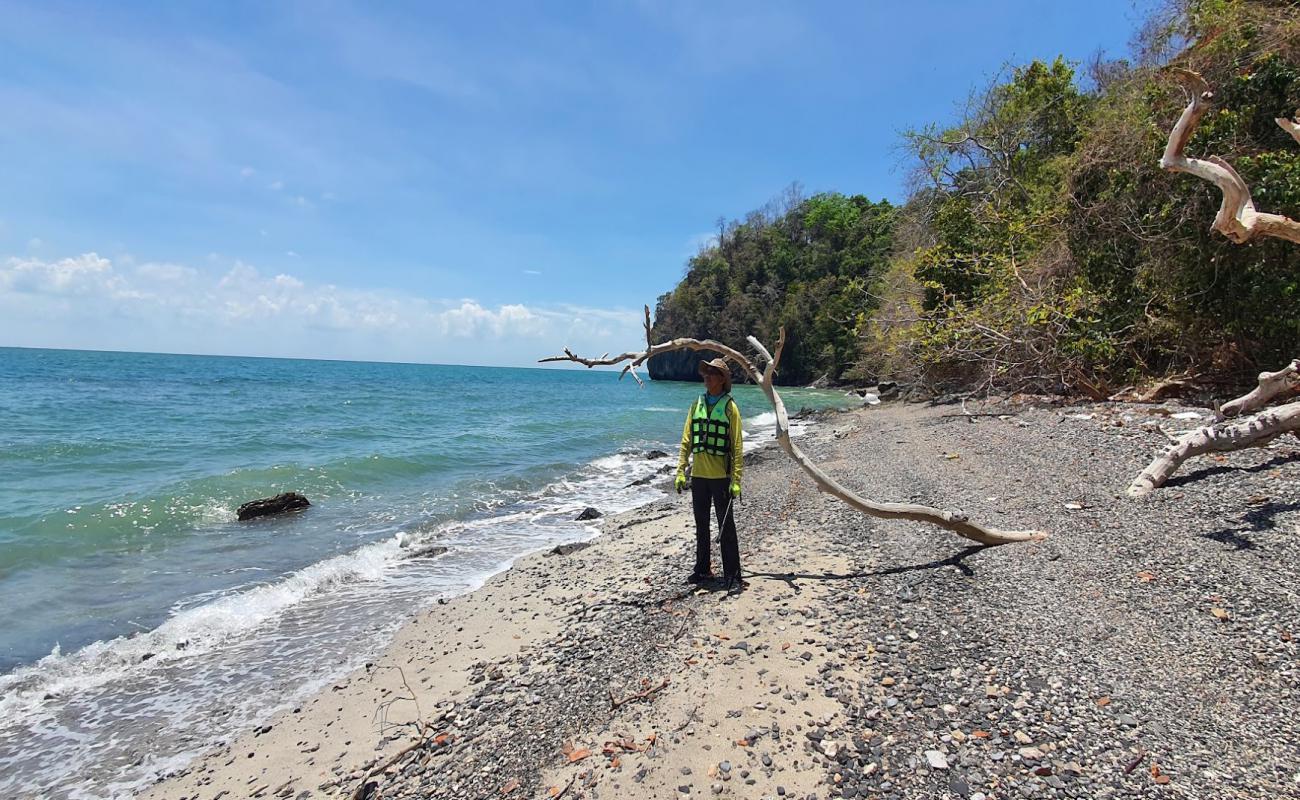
{"points": [[954, 521], [1240, 222]]}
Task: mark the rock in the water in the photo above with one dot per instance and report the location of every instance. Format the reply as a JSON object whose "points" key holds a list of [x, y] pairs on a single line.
{"points": [[653, 454], [589, 513], [287, 501], [426, 551]]}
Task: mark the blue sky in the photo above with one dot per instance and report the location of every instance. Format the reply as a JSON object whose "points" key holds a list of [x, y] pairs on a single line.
{"points": [[470, 183]]}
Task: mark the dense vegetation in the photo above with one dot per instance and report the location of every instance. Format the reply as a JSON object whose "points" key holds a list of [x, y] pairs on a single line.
{"points": [[1042, 247], [802, 263]]}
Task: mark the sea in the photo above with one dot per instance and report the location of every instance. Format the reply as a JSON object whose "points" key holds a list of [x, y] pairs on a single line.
{"points": [[141, 623]]}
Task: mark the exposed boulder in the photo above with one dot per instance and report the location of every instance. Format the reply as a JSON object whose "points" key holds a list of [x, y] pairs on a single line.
{"points": [[286, 501], [653, 454], [589, 513], [566, 549], [426, 551]]}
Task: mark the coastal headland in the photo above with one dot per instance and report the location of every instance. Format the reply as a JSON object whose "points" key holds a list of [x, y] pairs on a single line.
{"points": [[1147, 648]]}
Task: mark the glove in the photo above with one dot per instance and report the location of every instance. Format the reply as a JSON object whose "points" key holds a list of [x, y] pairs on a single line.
{"points": [[680, 483], [735, 490]]}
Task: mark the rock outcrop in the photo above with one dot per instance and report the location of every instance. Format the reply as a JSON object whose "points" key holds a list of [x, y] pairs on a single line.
{"points": [[681, 365]]}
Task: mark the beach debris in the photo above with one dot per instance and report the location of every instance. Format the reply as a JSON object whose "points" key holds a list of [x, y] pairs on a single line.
{"points": [[566, 549], [646, 691], [589, 513], [281, 503]]}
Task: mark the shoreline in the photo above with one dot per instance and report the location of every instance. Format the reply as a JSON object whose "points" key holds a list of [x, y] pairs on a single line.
{"points": [[868, 658]]}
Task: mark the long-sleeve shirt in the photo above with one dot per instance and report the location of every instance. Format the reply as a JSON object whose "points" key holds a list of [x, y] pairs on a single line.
{"points": [[708, 465]]}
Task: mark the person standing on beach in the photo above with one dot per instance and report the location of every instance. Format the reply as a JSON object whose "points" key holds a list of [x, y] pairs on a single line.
{"points": [[712, 436]]}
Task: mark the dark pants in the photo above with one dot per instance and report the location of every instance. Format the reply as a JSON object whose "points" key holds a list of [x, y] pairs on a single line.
{"points": [[715, 492]]}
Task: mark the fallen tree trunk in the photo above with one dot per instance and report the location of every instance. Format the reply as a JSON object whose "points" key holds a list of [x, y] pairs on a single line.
{"points": [[1220, 437], [954, 521]]}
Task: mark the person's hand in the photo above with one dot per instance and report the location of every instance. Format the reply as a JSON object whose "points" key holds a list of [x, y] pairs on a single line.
{"points": [[680, 483], [735, 490]]}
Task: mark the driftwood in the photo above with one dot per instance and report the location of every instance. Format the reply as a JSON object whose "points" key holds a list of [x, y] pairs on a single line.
{"points": [[614, 702], [1238, 220], [954, 521]]}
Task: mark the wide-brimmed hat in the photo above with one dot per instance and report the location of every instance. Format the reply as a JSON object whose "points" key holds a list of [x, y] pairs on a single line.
{"points": [[721, 366]]}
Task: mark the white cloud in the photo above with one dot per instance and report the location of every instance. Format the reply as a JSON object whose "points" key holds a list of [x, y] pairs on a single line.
{"points": [[88, 301], [85, 274], [275, 186], [247, 172], [532, 272], [171, 273]]}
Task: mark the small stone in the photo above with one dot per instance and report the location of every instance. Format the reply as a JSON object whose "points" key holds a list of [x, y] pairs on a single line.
{"points": [[767, 760], [936, 759], [1022, 737], [725, 766]]}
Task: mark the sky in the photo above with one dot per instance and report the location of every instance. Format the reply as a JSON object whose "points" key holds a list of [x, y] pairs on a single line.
{"points": [[474, 183]]}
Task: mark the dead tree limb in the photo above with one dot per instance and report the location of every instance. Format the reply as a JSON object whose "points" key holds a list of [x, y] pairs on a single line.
{"points": [[1240, 222], [1219, 437], [1272, 385], [641, 695], [954, 521], [1237, 218]]}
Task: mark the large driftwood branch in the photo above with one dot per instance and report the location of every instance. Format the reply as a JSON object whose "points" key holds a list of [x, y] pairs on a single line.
{"points": [[1240, 222], [1220, 437], [1237, 218], [1285, 381], [954, 521]]}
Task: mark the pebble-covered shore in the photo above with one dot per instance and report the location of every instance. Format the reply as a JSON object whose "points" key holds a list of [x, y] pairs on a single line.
{"points": [[1147, 648]]}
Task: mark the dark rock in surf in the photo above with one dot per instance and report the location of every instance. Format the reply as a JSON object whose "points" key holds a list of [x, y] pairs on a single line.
{"points": [[589, 513], [287, 501], [653, 454], [426, 551]]}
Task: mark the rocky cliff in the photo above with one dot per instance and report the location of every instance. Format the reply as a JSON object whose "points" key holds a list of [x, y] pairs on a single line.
{"points": [[683, 365]]}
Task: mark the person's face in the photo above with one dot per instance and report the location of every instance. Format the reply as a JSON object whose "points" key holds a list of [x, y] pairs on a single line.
{"points": [[713, 382]]}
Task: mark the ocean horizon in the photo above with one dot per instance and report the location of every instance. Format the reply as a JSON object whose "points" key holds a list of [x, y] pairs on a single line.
{"points": [[144, 623]]}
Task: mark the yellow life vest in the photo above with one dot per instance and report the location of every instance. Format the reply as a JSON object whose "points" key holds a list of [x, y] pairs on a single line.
{"points": [[710, 429]]}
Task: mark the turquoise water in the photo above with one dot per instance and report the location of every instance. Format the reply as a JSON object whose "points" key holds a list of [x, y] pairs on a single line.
{"points": [[133, 601]]}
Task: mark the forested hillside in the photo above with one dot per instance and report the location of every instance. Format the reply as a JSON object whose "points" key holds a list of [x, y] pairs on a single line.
{"points": [[802, 263], [1042, 247]]}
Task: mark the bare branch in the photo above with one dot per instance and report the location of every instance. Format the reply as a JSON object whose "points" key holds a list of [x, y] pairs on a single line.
{"points": [[1239, 221], [954, 521], [1237, 218], [1255, 431], [1271, 384]]}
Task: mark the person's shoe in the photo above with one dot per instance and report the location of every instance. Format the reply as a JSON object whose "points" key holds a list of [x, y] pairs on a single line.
{"points": [[700, 577], [735, 585]]}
